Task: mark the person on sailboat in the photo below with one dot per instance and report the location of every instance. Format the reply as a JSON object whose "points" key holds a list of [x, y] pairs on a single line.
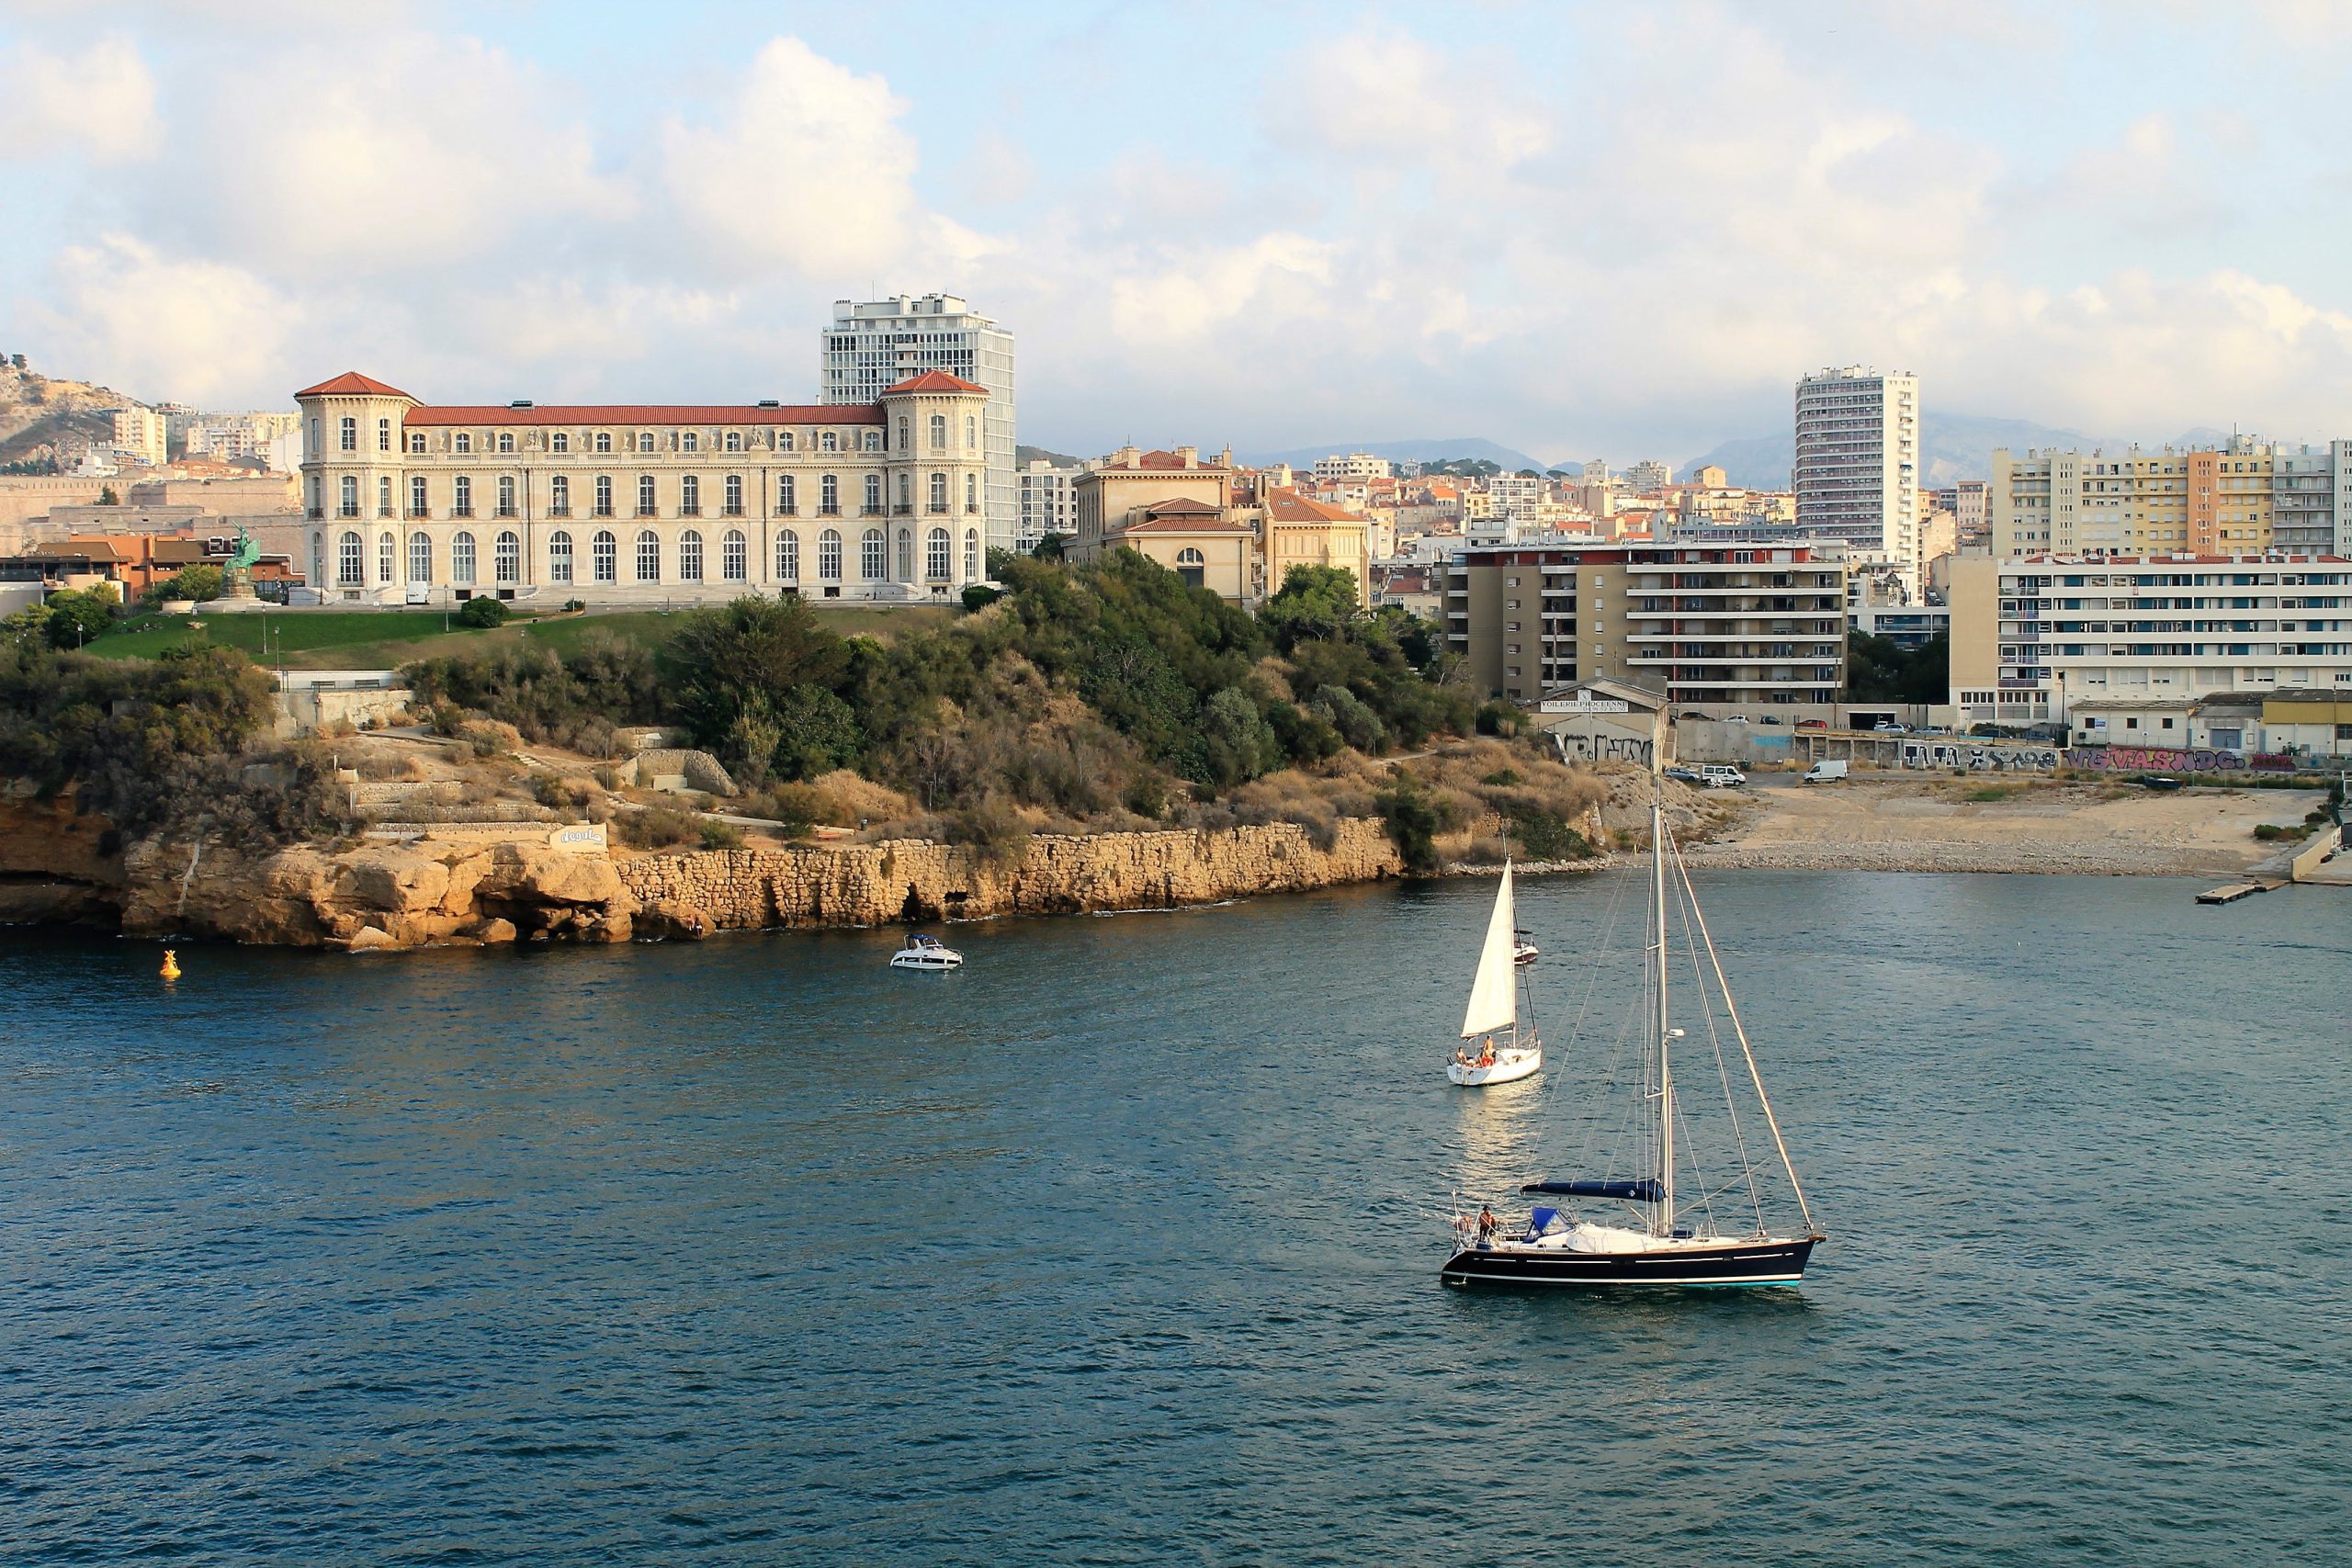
{"points": [[1488, 1224], [1486, 1052]]}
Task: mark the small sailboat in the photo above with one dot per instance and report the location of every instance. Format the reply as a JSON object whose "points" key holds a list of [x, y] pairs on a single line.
{"points": [[925, 952], [1482, 1057], [1637, 1226]]}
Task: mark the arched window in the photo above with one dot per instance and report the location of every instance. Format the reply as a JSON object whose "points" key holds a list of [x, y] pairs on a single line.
{"points": [[416, 506], [939, 493], [387, 557], [648, 556], [829, 555], [905, 503], [874, 495], [788, 555], [645, 495], [690, 556], [461, 559], [350, 495], [506, 557], [874, 441], [829, 496], [906, 555], [732, 496], [558, 496], [784, 441], [559, 557], [869, 555], [939, 433], [690, 442], [690, 496], [972, 554], [603, 555], [902, 433], [786, 506], [348, 559], [604, 495], [461, 497], [971, 433], [318, 543], [734, 441], [829, 442], [732, 564], [971, 492], [935, 555], [384, 496], [420, 557], [506, 495], [1191, 566]]}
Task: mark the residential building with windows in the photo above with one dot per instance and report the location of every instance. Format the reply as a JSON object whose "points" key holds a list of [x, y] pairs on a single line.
{"points": [[2032, 636], [2247, 495], [1649, 476], [872, 345], [1046, 498], [1213, 527], [410, 503], [1857, 476], [139, 434], [1728, 624], [1354, 466]]}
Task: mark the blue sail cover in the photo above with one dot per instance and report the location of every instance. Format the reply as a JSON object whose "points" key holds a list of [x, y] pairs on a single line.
{"points": [[1632, 1191]]}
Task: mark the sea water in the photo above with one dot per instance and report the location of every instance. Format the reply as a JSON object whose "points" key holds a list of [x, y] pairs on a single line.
{"points": [[1121, 1245]]}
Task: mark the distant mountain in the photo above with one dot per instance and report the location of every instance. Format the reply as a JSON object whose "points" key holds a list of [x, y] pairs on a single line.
{"points": [[1953, 446], [1025, 454], [1423, 451]]}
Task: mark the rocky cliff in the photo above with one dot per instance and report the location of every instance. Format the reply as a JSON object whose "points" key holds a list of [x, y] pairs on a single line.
{"points": [[55, 865]]}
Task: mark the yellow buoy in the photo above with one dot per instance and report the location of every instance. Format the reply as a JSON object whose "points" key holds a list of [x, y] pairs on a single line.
{"points": [[171, 970]]}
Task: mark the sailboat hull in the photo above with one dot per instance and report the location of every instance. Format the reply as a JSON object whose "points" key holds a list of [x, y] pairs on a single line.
{"points": [[1511, 1067], [1777, 1261]]}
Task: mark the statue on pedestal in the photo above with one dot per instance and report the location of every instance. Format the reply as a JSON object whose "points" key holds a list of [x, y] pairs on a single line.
{"points": [[240, 566]]}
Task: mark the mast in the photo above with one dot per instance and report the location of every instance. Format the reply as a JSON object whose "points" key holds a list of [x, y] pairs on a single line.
{"points": [[1664, 1224]]}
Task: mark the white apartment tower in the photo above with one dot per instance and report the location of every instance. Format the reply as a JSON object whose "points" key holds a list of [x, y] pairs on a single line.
{"points": [[1858, 460], [876, 343]]}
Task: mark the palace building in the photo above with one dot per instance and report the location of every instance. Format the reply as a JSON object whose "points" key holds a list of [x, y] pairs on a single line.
{"points": [[417, 504]]}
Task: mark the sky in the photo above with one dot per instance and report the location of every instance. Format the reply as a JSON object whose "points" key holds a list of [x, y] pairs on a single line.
{"points": [[1603, 230]]}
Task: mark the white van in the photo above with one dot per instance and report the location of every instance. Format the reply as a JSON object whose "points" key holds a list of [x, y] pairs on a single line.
{"points": [[1721, 776], [1825, 772]]}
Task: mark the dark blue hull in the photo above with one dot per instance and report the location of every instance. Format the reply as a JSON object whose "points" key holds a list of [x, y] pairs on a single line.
{"points": [[1733, 1263]]}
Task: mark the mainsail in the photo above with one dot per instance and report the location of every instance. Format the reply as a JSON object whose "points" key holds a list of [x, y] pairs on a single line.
{"points": [[1492, 1003]]}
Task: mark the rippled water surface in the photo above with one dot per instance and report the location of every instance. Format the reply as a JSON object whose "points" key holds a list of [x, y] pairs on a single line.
{"points": [[1113, 1247]]}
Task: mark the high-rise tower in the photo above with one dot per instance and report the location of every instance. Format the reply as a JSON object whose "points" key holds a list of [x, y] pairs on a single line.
{"points": [[876, 343]]}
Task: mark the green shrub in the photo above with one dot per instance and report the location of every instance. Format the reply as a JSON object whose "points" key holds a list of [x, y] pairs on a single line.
{"points": [[197, 582], [1546, 836], [1412, 822], [657, 827], [718, 835], [481, 610], [979, 596]]}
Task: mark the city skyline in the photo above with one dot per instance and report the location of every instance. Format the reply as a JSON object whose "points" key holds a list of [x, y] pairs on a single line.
{"points": [[1564, 229]]}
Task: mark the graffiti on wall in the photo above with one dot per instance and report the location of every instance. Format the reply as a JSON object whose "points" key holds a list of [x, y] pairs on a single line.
{"points": [[2166, 760], [1977, 757], [1602, 747]]}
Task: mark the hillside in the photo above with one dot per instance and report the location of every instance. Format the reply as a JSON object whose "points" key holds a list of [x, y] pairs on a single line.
{"points": [[1413, 451], [37, 412], [1954, 446]]}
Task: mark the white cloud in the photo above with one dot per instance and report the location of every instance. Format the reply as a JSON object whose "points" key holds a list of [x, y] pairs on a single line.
{"points": [[401, 151], [163, 327], [809, 168], [100, 102]]}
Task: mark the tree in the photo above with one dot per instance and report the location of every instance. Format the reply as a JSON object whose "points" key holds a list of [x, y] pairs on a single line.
{"points": [[1239, 742], [1053, 547], [1878, 670], [743, 656], [816, 731], [196, 583], [106, 496], [481, 610], [74, 617], [1313, 601]]}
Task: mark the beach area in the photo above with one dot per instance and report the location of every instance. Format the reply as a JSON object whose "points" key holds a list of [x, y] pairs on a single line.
{"points": [[1975, 824]]}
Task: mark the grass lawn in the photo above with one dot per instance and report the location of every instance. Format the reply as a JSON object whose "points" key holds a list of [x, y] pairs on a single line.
{"points": [[380, 639]]}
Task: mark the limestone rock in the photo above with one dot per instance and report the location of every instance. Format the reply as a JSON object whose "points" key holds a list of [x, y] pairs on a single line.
{"points": [[370, 938]]}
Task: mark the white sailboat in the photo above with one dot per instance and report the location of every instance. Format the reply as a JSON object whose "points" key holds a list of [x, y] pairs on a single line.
{"points": [[1496, 1048]]}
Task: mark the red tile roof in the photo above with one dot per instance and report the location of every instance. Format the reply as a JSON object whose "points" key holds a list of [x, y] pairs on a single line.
{"points": [[351, 384], [1167, 462], [1289, 506], [933, 381], [1180, 506], [1185, 524], [645, 413]]}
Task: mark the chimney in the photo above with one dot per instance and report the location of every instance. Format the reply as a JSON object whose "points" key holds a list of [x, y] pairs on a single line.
{"points": [[1127, 458], [1190, 457]]}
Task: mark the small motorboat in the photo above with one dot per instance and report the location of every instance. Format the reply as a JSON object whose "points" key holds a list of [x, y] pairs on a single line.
{"points": [[925, 952], [1523, 948]]}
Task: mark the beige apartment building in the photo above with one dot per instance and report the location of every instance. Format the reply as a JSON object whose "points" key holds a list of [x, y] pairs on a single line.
{"points": [[2034, 636], [1198, 519], [1729, 624], [2248, 496], [410, 503]]}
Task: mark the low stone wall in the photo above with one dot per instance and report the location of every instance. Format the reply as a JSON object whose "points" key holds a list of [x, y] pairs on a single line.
{"points": [[919, 880]]}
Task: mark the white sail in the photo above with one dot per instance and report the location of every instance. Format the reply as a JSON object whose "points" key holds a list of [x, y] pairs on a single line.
{"points": [[1492, 1002]]}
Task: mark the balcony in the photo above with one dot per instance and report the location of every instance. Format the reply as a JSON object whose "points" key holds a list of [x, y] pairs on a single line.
{"points": [[461, 512], [559, 511], [904, 509], [690, 509], [603, 510], [937, 509], [735, 511], [420, 512], [644, 511], [870, 511]]}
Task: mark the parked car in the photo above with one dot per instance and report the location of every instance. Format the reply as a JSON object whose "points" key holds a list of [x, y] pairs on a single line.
{"points": [[1721, 776], [1685, 775], [1812, 724], [1825, 772], [1768, 719], [1887, 727], [2161, 782], [1690, 713], [1734, 719]]}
